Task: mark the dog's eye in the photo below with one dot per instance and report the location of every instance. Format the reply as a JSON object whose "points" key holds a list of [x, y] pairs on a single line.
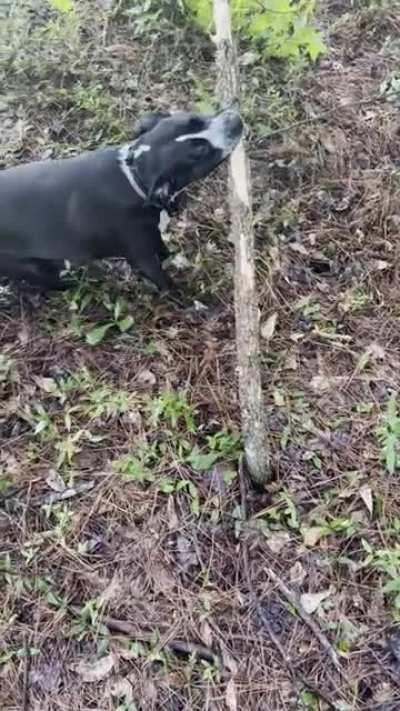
{"points": [[199, 145], [195, 125]]}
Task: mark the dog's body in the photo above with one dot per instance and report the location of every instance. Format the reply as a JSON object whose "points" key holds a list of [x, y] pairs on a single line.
{"points": [[107, 203]]}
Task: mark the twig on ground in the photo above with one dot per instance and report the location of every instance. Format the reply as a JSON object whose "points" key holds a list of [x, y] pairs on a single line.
{"points": [[293, 670], [27, 666], [69, 493], [316, 630], [178, 646]]}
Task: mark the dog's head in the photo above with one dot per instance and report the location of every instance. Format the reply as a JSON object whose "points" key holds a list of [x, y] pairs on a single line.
{"points": [[173, 150]]}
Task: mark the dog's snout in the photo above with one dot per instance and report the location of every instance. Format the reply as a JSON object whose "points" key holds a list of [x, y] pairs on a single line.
{"points": [[233, 123]]}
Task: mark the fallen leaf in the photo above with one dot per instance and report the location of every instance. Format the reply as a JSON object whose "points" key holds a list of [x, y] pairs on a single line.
{"points": [[173, 519], [366, 495], [206, 634], [373, 352], [68, 493], [23, 336], [147, 377], [249, 58], [121, 688], [310, 602], [180, 261], [55, 481], [92, 672], [379, 265], [297, 574], [185, 554], [312, 535], [277, 541], [268, 328], [49, 385], [299, 248], [290, 363], [295, 337], [162, 578], [324, 383], [231, 696], [279, 399]]}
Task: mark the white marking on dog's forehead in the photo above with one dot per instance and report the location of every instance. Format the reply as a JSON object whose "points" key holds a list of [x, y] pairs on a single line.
{"points": [[144, 148], [215, 134]]}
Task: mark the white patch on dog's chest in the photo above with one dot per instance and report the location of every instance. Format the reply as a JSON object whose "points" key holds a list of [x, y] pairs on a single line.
{"points": [[164, 221]]}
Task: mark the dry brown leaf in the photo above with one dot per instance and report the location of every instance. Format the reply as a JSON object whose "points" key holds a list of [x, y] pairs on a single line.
{"points": [[268, 328], [185, 554], [173, 519], [310, 602], [163, 580], [49, 385], [312, 535], [206, 634], [366, 495], [146, 377], [297, 574], [55, 482], [379, 265], [121, 688], [324, 383], [373, 352], [290, 362], [277, 541]]}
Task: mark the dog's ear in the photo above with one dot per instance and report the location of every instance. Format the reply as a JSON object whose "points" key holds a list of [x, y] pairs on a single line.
{"points": [[148, 122]]}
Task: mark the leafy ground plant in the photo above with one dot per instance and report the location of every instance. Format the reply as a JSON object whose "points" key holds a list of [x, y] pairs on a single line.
{"points": [[388, 433]]}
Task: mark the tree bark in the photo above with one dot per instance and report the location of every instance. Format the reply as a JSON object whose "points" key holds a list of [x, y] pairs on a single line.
{"points": [[246, 302]]}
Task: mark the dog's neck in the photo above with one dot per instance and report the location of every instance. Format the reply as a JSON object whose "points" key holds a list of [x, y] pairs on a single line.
{"points": [[127, 154], [126, 158]]}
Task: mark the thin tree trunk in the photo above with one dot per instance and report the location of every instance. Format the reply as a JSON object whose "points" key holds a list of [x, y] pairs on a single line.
{"points": [[246, 303]]}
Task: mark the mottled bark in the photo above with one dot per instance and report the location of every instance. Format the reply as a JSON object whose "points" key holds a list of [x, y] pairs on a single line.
{"points": [[246, 302]]}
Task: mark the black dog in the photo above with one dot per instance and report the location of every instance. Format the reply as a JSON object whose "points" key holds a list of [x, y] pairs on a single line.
{"points": [[109, 202]]}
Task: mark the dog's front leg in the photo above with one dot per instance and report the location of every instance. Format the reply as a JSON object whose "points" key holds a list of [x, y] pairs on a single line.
{"points": [[150, 268]]}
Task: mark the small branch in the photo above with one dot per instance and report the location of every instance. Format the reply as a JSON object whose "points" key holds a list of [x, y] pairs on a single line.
{"points": [[293, 670], [316, 630], [177, 646], [246, 302]]}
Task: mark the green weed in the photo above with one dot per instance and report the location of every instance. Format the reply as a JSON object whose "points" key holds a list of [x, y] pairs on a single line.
{"points": [[172, 409], [279, 28], [388, 434]]}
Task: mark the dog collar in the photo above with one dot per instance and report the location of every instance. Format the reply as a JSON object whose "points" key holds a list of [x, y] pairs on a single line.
{"points": [[125, 160]]}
